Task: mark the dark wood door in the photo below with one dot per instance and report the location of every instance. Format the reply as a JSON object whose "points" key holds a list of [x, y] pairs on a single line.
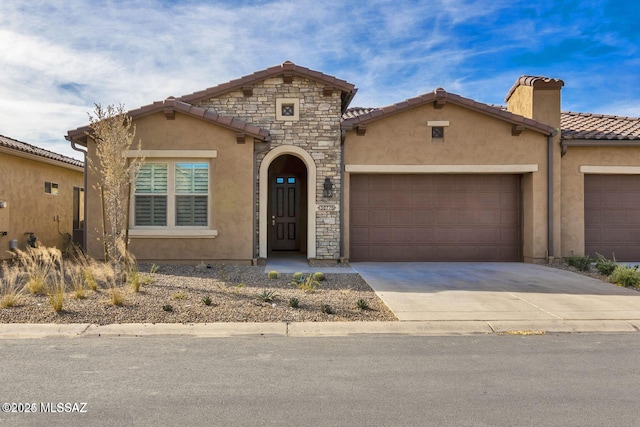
{"points": [[285, 213]]}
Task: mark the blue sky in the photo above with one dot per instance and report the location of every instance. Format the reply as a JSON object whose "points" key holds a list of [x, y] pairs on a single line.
{"points": [[59, 58]]}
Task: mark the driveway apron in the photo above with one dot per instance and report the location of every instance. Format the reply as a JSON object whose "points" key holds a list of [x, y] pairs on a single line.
{"points": [[495, 291]]}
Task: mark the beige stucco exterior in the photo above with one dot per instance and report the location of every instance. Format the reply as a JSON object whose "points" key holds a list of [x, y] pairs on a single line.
{"points": [[229, 235], [544, 106], [473, 143], [524, 140], [28, 207]]}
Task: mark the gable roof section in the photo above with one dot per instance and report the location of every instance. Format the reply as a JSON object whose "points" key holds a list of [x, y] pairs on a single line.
{"points": [[23, 149], [361, 116], [286, 68], [171, 105]]}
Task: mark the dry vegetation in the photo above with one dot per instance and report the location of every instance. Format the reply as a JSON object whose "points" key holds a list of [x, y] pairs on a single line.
{"points": [[82, 290]]}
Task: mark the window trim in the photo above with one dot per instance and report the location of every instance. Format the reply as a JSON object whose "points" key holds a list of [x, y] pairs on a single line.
{"points": [[171, 230], [54, 188], [295, 102]]}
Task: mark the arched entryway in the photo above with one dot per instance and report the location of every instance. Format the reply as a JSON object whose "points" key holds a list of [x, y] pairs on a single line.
{"points": [[287, 211], [287, 208]]}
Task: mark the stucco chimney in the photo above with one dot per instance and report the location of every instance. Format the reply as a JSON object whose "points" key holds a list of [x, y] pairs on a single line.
{"points": [[537, 98]]}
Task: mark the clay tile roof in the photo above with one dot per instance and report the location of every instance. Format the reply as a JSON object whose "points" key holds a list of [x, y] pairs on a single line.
{"points": [[172, 104], [535, 81], [599, 127], [23, 147], [358, 116], [348, 90]]}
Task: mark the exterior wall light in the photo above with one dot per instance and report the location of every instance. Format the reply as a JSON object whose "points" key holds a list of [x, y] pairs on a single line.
{"points": [[3, 204], [328, 188]]}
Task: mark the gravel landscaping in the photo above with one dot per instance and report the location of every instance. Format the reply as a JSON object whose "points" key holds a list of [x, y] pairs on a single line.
{"points": [[177, 294]]}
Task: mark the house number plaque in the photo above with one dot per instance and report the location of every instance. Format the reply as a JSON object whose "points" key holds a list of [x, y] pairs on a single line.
{"points": [[326, 207]]}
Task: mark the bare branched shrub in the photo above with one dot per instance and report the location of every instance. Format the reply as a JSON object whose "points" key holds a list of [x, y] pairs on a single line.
{"points": [[114, 133]]}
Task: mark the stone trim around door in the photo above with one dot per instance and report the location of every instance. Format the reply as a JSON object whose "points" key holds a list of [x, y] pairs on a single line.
{"points": [[263, 223]]}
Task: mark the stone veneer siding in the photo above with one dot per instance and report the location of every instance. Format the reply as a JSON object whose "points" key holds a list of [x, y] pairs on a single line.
{"points": [[317, 131]]}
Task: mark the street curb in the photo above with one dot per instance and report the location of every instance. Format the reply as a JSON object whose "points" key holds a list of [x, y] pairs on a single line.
{"points": [[316, 329]]}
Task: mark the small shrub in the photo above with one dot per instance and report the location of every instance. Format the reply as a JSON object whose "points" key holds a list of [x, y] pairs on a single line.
{"points": [[10, 287], [206, 301], [319, 276], [154, 268], [116, 297], [272, 274], [294, 303], [89, 278], [604, 266], [363, 304], [179, 295], [266, 295], [239, 287], [39, 264], [581, 262], [308, 284], [298, 276], [135, 280], [327, 309], [55, 292], [625, 276], [168, 308], [77, 281]]}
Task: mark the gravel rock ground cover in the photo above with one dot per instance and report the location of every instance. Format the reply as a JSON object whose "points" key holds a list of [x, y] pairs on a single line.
{"points": [[232, 290]]}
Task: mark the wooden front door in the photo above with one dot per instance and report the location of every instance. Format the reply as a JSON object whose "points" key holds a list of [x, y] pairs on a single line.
{"points": [[285, 213]]}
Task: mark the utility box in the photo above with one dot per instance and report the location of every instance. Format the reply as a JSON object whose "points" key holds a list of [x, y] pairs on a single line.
{"points": [[13, 244]]}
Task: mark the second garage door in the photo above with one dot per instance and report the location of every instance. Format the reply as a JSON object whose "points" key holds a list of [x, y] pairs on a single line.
{"points": [[612, 216], [435, 218]]}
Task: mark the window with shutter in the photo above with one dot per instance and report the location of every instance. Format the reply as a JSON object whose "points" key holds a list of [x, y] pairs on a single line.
{"points": [[172, 194], [192, 187], [150, 202]]}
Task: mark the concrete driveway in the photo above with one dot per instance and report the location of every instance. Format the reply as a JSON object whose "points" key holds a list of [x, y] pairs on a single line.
{"points": [[496, 292]]}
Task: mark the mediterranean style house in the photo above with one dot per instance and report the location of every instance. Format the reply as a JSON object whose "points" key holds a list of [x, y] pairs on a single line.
{"points": [[41, 197], [277, 161]]}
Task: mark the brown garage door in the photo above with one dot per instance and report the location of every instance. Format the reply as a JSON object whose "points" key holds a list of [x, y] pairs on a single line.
{"points": [[435, 218], [612, 216]]}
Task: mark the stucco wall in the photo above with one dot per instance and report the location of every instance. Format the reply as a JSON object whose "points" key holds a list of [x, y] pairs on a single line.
{"points": [[230, 203], [470, 139], [573, 188], [29, 208]]}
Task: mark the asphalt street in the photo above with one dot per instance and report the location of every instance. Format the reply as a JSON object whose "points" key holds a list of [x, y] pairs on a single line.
{"points": [[553, 379]]}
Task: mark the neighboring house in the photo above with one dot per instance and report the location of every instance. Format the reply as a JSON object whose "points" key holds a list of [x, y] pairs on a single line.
{"points": [[41, 196], [277, 162]]}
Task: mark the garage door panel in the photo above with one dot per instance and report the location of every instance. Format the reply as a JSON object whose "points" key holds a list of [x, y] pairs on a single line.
{"points": [[379, 235], [402, 236], [509, 218], [403, 216], [612, 216], [436, 218]]}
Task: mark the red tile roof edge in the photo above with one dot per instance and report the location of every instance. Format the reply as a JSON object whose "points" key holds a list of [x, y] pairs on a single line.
{"points": [[347, 88], [538, 82], [439, 93], [24, 147], [173, 104]]}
